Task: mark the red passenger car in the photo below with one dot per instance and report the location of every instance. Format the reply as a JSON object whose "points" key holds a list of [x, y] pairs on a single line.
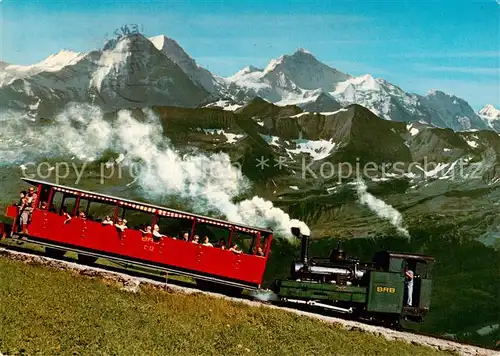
{"points": [[88, 234]]}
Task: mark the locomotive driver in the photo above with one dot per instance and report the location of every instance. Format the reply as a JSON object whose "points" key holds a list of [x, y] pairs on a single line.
{"points": [[409, 286]]}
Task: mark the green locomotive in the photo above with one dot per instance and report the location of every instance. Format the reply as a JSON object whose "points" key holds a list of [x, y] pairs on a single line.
{"points": [[391, 288]]}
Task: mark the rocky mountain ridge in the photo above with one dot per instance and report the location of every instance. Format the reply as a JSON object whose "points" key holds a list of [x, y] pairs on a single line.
{"points": [[133, 71]]}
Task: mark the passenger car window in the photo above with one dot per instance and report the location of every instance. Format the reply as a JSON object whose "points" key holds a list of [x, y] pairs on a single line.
{"points": [[244, 240], [215, 233]]}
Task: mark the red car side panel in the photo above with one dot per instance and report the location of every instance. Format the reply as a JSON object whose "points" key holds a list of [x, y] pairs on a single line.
{"points": [[130, 243]]}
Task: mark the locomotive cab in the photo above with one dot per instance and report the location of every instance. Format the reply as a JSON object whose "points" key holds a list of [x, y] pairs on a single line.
{"points": [[411, 274]]}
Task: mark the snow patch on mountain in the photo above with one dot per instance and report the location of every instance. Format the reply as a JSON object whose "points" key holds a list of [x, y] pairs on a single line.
{"points": [[318, 150], [226, 105], [230, 137], [413, 130], [333, 112]]}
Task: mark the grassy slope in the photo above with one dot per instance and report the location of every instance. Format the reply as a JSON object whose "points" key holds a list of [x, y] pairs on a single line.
{"points": [[48, 311]]}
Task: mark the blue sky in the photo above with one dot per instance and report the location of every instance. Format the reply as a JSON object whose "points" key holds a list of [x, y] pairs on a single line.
{"points": [[418, 45]]}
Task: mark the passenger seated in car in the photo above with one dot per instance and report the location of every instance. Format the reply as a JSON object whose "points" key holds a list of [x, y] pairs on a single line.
{"points": [[67, 216], [221, 244], [196, 239], [43, 205], [260, 252], [147, 233], [82, 215], [121, 224], [107, 221], [234, 248], [206, 242], [185, 236], [156, 233]]}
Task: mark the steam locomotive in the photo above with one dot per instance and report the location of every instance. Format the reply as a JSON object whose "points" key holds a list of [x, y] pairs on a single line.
{"points": [[378, 291]]}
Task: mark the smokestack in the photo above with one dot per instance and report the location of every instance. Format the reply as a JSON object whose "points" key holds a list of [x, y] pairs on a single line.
{"points": [[304, 247]]}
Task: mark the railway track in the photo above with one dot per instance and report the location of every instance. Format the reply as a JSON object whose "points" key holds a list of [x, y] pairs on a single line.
{"points": [[133, 279]]}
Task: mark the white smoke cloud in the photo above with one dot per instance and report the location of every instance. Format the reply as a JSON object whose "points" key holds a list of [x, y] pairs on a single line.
{"points": [[379, 207], [208, 182]]}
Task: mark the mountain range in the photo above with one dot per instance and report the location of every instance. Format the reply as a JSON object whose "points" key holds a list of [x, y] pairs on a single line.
{"points": [[135, 71]]}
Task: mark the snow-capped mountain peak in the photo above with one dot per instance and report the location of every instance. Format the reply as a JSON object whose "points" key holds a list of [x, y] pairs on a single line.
{"points": [[381, 97], [245, 72], [128, 71], [448, 110], [52, 63], [273, 64], [251, 69], [490, 111], [296, 78], [168, 45], [491, 116], [62, 58], [301, 56], [176, 53], [364, 82], [303, 50], [434, 91]]}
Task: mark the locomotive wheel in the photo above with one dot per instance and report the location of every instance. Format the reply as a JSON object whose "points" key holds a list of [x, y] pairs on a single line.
{"points": [[86, 259], [54, 252], [393, 323]]}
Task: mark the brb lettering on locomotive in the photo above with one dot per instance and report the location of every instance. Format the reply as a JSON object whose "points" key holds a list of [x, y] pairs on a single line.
{"points": [[386, 290]]}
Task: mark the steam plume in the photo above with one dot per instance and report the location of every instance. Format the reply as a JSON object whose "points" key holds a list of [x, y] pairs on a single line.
{"points": [[379, 207], [207, 182]]}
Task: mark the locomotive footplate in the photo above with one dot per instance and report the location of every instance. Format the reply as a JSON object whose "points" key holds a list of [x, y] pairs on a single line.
{"points": [[412, 310]]}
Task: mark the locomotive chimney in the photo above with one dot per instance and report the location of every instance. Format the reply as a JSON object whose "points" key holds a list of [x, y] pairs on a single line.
{"points": [[304, 247]]}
